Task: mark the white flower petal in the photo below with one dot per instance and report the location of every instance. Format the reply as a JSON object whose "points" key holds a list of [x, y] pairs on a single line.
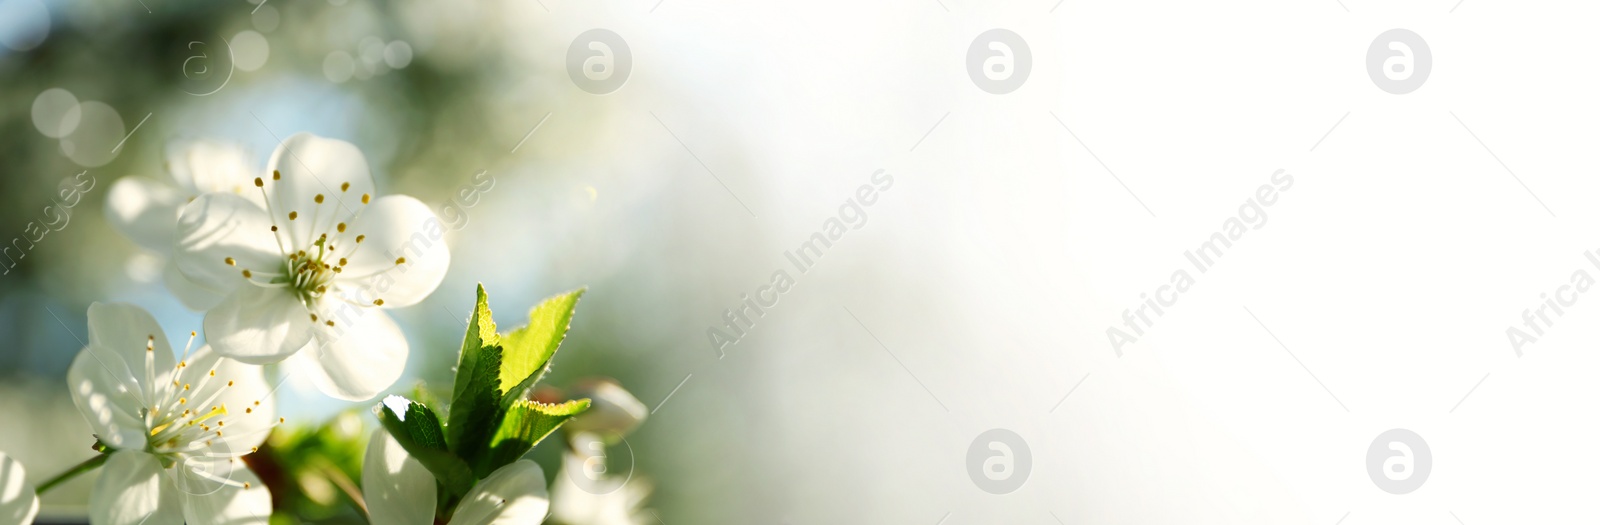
{"points": [[123, 332], [146, 211], [397, 226], [359, 357], [309, 166], [218, 227], [18, 503], [230, 505], [203, 166], [192, 295], [258, 325], [513, 494], [600, 499], [105, 393], [133, 490], [398, 489], [612, 409], [241, 389]]}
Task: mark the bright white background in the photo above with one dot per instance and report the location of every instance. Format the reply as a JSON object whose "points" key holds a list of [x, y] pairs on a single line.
{"points": [[992, 268]]}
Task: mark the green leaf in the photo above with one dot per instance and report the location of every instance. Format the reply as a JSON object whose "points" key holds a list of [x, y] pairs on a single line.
{"points": [[417, 429], [528, 349], [475, 403], [526, 423]]}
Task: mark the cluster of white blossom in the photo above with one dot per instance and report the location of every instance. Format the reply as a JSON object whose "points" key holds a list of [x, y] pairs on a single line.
{"points": [[293, 263]]}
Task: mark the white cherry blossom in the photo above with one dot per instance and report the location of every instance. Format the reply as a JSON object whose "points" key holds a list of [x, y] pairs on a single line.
{"points": [[145, 209], [178, 426], [307, 275]]}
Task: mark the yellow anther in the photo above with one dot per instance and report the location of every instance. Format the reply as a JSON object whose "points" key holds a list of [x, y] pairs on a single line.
{"points": [[344, 187], [366, 198], [276, 175], [292, 215], [318, 198], [377, 302], [343, 261], [230, 383], [246, 274], [228, 260], [258, 182], [341, 227], [360, 238], [400, 261]]}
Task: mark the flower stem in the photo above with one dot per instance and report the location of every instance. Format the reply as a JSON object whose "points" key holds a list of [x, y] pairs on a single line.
{"points": [[86, 466]]}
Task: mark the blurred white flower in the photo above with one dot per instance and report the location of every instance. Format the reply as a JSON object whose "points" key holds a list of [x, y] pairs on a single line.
{"points": [[585, 495], [612, 410], [400, 491], [18, 502], [308, 274], [145, 209], [178, 427]]}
